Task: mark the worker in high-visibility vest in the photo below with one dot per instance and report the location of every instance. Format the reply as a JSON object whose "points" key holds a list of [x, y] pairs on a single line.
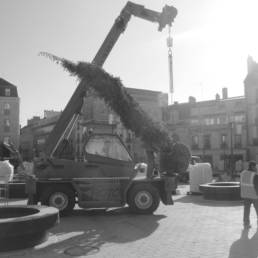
{"points": [[248, 191]]}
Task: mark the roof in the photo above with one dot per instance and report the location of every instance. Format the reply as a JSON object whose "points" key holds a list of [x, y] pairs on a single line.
{"points": [[7, 85], [207, 102], [144, 91]]}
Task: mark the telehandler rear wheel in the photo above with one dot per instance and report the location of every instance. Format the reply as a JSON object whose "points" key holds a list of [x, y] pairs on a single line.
{"points": [[60, 197]]}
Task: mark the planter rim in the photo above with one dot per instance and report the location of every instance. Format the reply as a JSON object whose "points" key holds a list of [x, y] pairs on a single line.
{"points": [[43, 211], [222, 185]]}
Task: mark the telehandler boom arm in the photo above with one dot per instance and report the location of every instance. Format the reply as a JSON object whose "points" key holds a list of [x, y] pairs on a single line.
{"points": [[73, 108], [164, 18]]}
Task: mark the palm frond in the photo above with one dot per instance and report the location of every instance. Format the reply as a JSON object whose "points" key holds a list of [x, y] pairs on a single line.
{"points": [[115, 96], [65, 63]]}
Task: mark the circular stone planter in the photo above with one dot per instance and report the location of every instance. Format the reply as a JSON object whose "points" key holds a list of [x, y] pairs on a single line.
{"points": [[226, 191], [25, 226]]}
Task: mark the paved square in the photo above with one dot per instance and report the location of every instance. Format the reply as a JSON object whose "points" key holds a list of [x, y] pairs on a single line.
{"points": [[192, 228]]}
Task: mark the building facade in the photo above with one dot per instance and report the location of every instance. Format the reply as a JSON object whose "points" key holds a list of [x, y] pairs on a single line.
{"points": [[9, 113], [223, 131], [215, 130], [34, 134], [95, 116], [251, 94]]}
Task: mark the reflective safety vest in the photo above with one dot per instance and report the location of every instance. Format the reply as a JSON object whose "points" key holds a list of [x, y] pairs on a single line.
{"points": [[247, 185]]}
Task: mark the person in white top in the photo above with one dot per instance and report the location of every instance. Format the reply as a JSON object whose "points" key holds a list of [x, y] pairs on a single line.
{"points": [[248, 191]]}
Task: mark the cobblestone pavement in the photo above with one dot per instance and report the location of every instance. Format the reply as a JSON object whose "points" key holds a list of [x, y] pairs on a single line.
{"points": [[192, 228]]}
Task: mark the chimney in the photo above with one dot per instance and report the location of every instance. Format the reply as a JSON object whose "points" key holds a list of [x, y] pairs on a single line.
{"points": [[224, 93], [217, 96], [192, 100], [250, 64]]}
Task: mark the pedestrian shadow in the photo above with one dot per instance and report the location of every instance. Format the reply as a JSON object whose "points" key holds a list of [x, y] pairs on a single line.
{"points": [[199, 200], [245, 247], [84, 232]]}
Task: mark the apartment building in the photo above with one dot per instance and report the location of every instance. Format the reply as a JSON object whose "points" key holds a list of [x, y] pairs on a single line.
{"points": [[222, 131], [251, 96], [34, 134], [215, 129], [9, 113]]}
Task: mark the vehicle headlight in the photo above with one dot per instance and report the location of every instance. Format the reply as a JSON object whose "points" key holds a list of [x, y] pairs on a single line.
{"points": [[141, 167]]}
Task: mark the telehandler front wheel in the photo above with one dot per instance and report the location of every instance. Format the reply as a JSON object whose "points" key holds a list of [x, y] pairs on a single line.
{"points": [[60, 197], [143, 199]]}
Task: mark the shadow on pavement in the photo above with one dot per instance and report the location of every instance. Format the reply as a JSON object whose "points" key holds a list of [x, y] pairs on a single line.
{"points": [[84, 232], [199, 200], [245, 247]]}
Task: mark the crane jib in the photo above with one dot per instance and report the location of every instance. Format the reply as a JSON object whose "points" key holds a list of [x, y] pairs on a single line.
{"points": [[166, 17]]}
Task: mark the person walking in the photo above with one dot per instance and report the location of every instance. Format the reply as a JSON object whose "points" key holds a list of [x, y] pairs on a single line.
{"points": [[248, 191]]}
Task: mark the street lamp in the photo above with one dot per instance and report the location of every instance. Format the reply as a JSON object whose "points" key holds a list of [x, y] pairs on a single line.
{"points": [[231, 126], [223, 145]]}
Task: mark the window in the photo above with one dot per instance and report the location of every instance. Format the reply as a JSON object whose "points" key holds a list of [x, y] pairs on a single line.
{"points": [[238, 141], [194, 121], [254, 132], [7, 92], [223, 119], [239, 118], [209, 121], [107, 146], [239, 129], [207, 141], [6, 139], [223, 143], [6, 109], [6, 125], [41, 141], [222, 106], [195, 142], [255, 141], [184, 112], [238, 104]]}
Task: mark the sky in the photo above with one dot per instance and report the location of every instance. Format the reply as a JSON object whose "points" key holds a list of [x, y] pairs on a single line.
{"points": [[211, 42]]}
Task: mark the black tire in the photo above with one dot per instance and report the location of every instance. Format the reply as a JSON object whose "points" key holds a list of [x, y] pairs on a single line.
{"points": [[143, 199], [60, 197]]}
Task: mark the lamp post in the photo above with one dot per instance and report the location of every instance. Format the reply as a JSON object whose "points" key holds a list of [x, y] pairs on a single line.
{"points": [[224, 152], [231, 126]]}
